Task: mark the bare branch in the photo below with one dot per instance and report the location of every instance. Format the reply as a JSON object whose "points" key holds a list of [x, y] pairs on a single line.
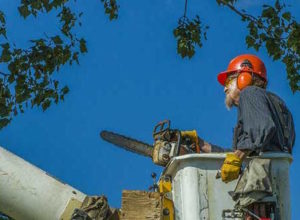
{"points": [[4, 74]]}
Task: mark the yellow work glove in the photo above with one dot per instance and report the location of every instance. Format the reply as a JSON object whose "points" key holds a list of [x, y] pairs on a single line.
{"points": [[231, 168]]}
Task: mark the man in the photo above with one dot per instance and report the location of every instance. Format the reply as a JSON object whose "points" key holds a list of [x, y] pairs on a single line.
{"points": [[264, 125], [264, 122]]}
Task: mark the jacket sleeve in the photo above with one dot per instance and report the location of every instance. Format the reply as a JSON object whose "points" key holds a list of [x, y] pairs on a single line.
{"points": [[256, 126], [218, 149]]}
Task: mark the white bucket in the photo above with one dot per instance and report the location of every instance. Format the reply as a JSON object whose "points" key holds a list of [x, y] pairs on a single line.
{"points": [[198, 195]]}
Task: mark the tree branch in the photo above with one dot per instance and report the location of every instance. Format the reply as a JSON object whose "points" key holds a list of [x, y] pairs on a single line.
{"points": [[248, 17], [4, 74], [243, 15]]}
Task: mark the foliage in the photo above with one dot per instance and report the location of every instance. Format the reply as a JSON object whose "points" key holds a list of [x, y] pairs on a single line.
{"points": [[111, 8], [275, 29], [188, 34], [279, 32], [29, 79]]}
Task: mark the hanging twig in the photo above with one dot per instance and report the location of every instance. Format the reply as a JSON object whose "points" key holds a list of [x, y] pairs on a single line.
{"points": [[4, 74], [185, 8]]}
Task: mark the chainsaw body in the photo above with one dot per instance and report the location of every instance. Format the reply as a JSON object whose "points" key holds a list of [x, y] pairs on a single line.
{"points": [[169, 143]]}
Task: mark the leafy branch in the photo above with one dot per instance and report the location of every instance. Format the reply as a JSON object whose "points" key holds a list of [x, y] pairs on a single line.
{"points": [[30, 81], [111, 8], [189, 34]]}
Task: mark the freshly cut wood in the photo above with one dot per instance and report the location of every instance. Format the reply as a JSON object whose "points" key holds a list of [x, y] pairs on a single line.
{"points": [[140, 205]]}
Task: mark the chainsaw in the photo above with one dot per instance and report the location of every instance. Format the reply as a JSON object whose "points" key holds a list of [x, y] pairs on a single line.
{"points": [[168, 143]]}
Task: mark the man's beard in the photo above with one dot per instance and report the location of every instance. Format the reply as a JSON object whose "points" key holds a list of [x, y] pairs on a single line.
{"points": [[228, 102], [232, 92]]}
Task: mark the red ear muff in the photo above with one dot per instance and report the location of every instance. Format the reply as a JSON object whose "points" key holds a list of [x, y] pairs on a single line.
{"points": [[244, 79]]}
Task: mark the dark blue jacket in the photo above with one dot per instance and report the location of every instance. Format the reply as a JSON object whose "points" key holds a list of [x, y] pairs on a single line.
{"points": [[264, 123]]}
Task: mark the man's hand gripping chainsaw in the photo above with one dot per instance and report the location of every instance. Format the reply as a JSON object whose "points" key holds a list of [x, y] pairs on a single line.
{"points": [[168, 143]]}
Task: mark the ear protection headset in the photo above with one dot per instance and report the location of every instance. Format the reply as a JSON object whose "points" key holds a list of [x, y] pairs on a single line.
{"points": [[245, 76], [244, 79]]}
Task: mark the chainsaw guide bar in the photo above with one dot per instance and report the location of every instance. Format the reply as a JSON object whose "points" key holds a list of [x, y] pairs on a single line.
{"points": [[127, 143]]}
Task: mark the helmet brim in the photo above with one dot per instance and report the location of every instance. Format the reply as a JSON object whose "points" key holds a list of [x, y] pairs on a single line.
{"points": [[223, 76]]}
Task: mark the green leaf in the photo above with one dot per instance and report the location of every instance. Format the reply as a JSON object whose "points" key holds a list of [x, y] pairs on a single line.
{"points": [[83, 48], [253, 29], [250, 41], [287, 16], [3, 31], [111, 8], [57, 39], [268, 12], [75, 57], [6, 54], [2, 17], [5, 46], [293, 41], [46, 104], [4, 122], [263, 36], [65, 90], [23, 10]]}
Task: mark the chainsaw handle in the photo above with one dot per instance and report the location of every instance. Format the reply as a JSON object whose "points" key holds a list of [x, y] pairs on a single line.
{"points": [[161, 127]]}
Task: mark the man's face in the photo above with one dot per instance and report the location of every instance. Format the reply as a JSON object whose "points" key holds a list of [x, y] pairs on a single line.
{"points": [[232, 93]]}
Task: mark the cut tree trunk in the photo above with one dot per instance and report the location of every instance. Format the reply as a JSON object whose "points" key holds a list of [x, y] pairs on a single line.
{"points": [[140, 205]]}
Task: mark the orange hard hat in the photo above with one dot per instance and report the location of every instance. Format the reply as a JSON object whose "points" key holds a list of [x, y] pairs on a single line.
{"points": [[244, 63]]}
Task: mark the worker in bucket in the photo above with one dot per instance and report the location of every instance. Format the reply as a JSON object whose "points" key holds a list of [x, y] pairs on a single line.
{"points": [[264, 125]]}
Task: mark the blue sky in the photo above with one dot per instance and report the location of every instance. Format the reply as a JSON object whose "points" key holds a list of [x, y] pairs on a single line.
{"points": [[130, 79]]}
